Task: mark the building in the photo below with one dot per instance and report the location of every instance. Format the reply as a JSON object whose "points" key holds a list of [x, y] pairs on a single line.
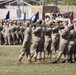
{"points": [[12, 6]]}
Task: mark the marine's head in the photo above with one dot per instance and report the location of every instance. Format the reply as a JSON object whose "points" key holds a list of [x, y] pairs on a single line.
{"points": [[26, 24], [65, 23]]}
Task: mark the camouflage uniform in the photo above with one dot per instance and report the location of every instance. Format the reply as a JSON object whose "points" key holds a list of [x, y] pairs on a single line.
{"points": [[21, 34], [71, 45], [75, 46], [75, 41], [35, 48], [7, 31], [47, 44], [3, 33], [63, 46], [42, 43], [55, 38], [26, 45], [13, 29], [1, 28], [17, 33]]}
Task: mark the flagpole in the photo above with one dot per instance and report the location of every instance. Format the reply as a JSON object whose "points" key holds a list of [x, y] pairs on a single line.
{"points": [[9, 11], [18, 12], [23, 9]]}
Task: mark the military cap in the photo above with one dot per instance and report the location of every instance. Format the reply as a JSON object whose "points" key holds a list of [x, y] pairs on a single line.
{"points": [[39, 21], [65, 22], [27, 22]]}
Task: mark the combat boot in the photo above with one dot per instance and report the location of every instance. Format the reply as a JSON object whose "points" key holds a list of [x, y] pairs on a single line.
{"points": [[66, 61], [38, 61], [28, 62], [48, 58], [63, 61], [43, 60], [54, 58], [34, 59], [56, 61], [18, 62], [73, 60]]}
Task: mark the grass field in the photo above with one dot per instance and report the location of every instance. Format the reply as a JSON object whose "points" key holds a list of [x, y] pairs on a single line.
{"points": [[9, 56]]}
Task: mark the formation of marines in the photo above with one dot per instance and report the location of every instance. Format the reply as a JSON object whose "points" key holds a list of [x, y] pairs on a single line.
{"points": [[11, 32], [40, 38]]}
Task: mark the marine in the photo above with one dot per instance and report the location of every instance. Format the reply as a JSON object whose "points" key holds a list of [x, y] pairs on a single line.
{"points": [[36, 45], [64, 41], [26, 45]]}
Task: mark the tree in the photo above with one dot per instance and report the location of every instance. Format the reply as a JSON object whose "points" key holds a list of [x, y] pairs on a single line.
{"points": [[48, 1], [27, 1], [69, 2]]}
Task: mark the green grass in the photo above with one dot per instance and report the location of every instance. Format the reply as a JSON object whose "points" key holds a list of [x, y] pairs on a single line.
{"points": [[9, 56]]}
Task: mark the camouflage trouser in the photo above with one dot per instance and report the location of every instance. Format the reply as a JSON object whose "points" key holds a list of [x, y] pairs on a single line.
{"points": [[2, 38], [75, 50], [21, 37], [63, 48], [17, 37], [25, 49], [13, 38], [55, 42], [7, 38], [35, 49], [42, 49], [55, 45], [47, 46], [71, 51]]}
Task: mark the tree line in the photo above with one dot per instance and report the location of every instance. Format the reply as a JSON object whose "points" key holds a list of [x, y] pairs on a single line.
{"points": [[62, 2]]}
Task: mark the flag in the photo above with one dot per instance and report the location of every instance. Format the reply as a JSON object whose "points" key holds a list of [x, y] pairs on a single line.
{"points": [[24, 17], [7, 15], [34, 18]]}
